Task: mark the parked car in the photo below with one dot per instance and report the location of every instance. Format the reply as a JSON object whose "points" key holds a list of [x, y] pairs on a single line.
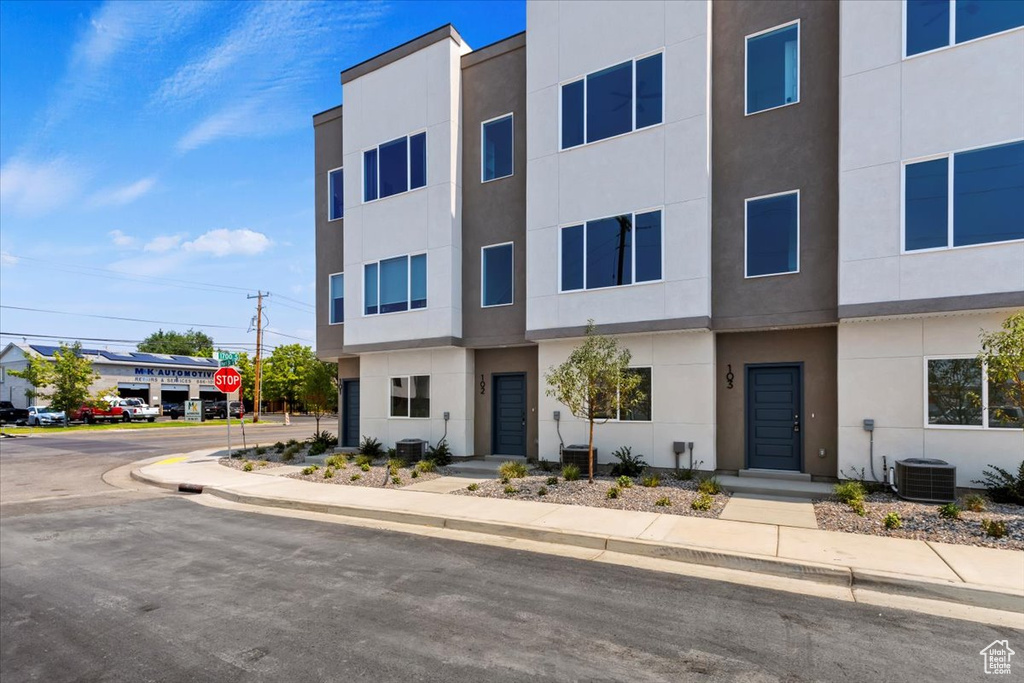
{"points": [[8, 413], [219, 409], [142, 410], [44, 416], [174, 410], [111, 409]]}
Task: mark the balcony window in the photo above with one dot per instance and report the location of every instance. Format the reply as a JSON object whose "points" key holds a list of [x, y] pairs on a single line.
{"points": [[395, 167]]}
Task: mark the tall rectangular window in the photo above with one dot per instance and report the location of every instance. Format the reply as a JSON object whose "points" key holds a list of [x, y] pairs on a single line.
{"points": [[336, 194], [337, 296], [932, 24], [773, 68], [395, 167], [395, 284], [496, 148], [610, 252], [773, 234], [496, 275], [410, 396], [987, 190], [612, 101], [954, 391]]}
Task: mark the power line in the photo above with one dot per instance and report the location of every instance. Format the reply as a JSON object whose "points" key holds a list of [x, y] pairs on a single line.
{"points": [[114, 317], [119, 342], [304, 303]]}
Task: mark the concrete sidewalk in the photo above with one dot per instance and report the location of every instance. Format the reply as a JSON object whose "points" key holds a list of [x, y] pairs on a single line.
{"points": [[982, 577]]}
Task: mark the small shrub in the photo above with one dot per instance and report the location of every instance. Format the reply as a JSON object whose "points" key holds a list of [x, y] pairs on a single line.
{"points": [[310, 469], [949, 511], [288, 455], [542, 491], [316, 448], [504, 479], [473, 487], [512, 469], [396, 480], [628, 465], [371, 447], [857, 506], [291, 442], [394, 464], [392, 453], [710, 486], [365, 467], [552, 481], [663, 502], [652, 481], [613, 492], [247, 467], [262, 463], [509, 490], [1004, 487], [703, 501], [892, 521], [683, 475], [441, 454], [849, 491], [547, 466], [355, 477], [328, 473], [570, 472], [260, 450], [414, 474], [426, 466], [335, 461], [974, 502], [364, 460], [279, 446], [993, 528], [624, 482]]}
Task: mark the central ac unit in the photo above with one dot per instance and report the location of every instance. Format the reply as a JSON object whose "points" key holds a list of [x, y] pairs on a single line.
{"points": [[577, 454], [926, 480], [411, 450]]}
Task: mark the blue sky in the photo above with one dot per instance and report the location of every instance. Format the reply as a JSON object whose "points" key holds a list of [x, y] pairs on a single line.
{"points": [[156, 158]]}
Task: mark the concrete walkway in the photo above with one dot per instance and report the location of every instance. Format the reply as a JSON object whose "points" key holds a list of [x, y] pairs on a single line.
{"points": [[982, 577], [749, 507]]}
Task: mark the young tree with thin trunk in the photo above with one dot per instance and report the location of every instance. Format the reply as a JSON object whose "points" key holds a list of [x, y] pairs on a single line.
{"points": [[321, 389], [594, 383], [66, 378], [1002, 353]]}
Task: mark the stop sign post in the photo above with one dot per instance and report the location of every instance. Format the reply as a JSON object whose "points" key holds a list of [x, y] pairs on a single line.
{"points": [[227, 380]]}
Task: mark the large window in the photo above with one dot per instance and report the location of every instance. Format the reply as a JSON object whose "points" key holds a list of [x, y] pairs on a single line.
{"points": [[395, 284], [986, 187], [496, 142], [496, 275], [336, 194], [410, 396], [959, 396], [641, 412], [337, 294], [773, 234], [622, 98], [611, 252], [395, 167], [934, 24], [773, 68]]}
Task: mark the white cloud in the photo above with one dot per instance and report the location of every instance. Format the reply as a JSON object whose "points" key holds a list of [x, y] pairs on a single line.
{"points": [[121, 240], [38, 187], [123, 194], [8, 259], [224, 242], [163, 243]]}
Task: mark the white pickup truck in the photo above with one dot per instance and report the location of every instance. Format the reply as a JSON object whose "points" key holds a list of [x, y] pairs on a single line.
{"points": [[140, 410]]}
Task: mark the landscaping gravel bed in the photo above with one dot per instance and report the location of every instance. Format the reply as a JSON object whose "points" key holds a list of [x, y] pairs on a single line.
{"points": [[641, 498], [257, 464], [351, 474], [921, 521]]}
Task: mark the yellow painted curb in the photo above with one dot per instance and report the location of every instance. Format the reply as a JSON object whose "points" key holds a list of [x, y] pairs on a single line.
{"points": [[171, 461]]}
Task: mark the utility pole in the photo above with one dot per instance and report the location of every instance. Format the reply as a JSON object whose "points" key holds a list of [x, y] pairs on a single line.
{"points": [[259, 350]]}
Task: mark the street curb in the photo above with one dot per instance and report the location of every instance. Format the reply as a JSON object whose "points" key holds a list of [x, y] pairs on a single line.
{"points": [[934, 589]]}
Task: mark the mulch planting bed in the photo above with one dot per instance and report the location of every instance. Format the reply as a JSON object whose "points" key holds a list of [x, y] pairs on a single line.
{"points": [[638, 497], [921, 521]]}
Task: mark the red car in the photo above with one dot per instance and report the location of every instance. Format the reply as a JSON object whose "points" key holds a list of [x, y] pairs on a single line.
{"points": [[112, 410]]}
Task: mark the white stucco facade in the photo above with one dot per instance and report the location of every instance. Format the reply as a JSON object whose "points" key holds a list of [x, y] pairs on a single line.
{"points": [[895, 109], [420, 92], [682, 401], [883, 376], [662, 167]]}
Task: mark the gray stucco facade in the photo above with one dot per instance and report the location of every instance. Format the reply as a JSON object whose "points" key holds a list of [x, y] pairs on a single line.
{"points": [[330, 242]]}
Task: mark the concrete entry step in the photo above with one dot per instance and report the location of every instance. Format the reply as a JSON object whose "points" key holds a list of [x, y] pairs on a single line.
{"points": [[775, 487], [783, 511], [504, 458], [775, 474]]}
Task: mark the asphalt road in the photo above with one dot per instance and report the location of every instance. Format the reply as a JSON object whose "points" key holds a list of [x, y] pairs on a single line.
{"points": [[157, 588]]}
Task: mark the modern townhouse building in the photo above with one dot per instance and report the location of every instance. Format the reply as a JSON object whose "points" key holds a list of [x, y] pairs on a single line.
{"points": [[797, 215]]}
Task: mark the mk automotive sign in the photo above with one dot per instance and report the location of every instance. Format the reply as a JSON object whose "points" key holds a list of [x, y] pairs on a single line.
{"points": [[161, 372]]}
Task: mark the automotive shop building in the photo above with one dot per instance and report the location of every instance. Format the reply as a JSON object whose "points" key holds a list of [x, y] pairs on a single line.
{"points": [[155, 378]]}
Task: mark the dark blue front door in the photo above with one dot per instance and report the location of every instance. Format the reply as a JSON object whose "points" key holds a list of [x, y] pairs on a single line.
{"points": [[773, 416], [350, 413], [509, 415]]}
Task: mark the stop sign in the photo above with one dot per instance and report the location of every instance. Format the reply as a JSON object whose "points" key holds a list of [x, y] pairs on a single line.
{"points": [[227, 380]]}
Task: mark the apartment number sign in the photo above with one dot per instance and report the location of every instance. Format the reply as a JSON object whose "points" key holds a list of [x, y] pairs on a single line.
{"points": [[729, 377], [483, 385]]}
